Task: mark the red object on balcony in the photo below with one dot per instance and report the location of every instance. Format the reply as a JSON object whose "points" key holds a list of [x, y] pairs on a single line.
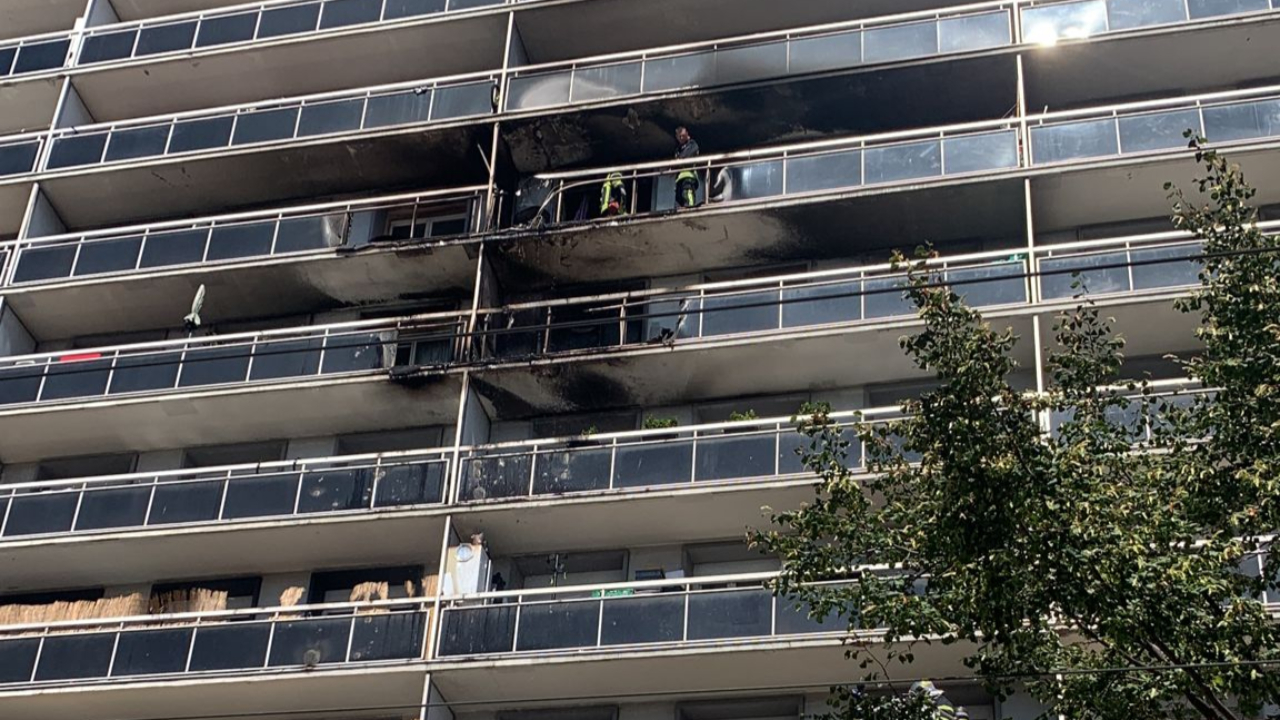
{"points": [[80, 357]]}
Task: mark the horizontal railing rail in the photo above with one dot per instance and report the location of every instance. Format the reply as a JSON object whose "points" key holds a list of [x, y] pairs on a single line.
{"points": [[262, 491], [222, 360], [235, 237], [277, 638], [34, 54]]}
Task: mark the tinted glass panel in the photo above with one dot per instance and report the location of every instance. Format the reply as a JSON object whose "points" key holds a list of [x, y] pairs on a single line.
{"points": [[411, 484], [572, 471], [734, 458], [350, 353], [330, 117], [1066, 21], [973, 33], [142, 142], [290, 20], [18, 659], [152, 652], [463, 100], [388, 636], [534, 91], [829, 52], [487, 478], [679, 72], [19, 384], [44, 263], [399, 109], [793, 619], [113, 508], [237, 241], [1158, 131], [1178, 272], [75, 150], [1211, 8], [753, 181], [661, 464], [1090, 138], [76, 379], [186, 502], [903, 162], [75, 656], [38, 513], [824, 172], [1242, 121], [7, 56], [748, 312], [821, 304], [192, 135], [882, 298], [41, 56], [229, 29], [310, 642], [265, 126], [229, 647], [896, 43], [140, 373], [977, 153], [260, 496], [214, 366], [605, 82], [312, 233], [733, 614], [334, 490], [339, 13], [111, 46], [651, 619], [1102, 273], [104, 256], [478, 631], [408, 8], [174, 248], [166, 38], [558, 625], [995, 285], [1126, 14], [286, 359], [18, 158], [751, 63]]}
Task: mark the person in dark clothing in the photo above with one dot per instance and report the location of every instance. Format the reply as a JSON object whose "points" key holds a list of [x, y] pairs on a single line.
{"points": [[687, 178]]}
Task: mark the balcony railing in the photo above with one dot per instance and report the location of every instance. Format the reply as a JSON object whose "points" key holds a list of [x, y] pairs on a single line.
{"points": [[309, 487], [1048, 22], [645, 459], [229, 238], [380, 108], [216, 29], [281, 638], [719, 610], [219, 361], [19, 153], [765, 56], [34, 54], [873, 294]]}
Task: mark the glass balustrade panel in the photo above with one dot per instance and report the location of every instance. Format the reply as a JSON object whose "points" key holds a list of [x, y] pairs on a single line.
{"points": [[650, 616], [974, 32], [730, 614], [478, 630], [1074, 141], [573, 470], [558, 625], [103, 508], [1129, 14], [736, 458], [657, 463], [1082, 275], [1166, 267], [1158, 131]]}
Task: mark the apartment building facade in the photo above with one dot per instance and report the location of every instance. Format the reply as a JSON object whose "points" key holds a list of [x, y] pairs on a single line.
{"points": [[448, 441]]}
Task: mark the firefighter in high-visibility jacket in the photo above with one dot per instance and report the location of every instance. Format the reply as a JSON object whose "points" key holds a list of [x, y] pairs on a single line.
{"points": [[686, 178], [943, 709], [613, 196]]}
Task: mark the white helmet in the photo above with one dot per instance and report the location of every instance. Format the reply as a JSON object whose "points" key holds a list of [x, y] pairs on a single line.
{"points": [[927, 688]]}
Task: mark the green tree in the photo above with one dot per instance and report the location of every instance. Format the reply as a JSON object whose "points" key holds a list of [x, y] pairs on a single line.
{"points": [[1085, 543]]}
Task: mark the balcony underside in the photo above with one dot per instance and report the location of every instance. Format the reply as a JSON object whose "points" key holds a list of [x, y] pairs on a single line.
{"points": [[237, 414], [1155, 63], [627, 519], [928, 92], [284, 285], [769, 667], [831, 227], [316, 63], [554, 31], [262, 547], [287, 692], [19, 18], [653, 376], [258, 177], [13, 206], [28, 105], [1120, 189], [1150, 326]]}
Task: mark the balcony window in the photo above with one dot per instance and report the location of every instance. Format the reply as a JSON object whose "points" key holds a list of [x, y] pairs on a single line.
{"points": [[396, 9], [18, 158], [886, 44], [341, 13], [1213, 8], [265, 126], [142, 142], [226, 29], [165, 38], [205, 595], [41, 56], [776, 708], [201, 134], [73, 150], [345, 586], [973, 32], [1128, 14], [1157, 131], [108, 46], [288, 20], [330, 117]]}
